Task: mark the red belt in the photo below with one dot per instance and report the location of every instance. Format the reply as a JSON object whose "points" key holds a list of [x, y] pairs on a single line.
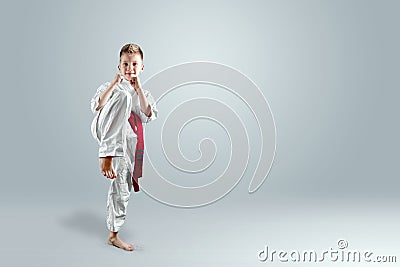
{"points": [[137, 127]]}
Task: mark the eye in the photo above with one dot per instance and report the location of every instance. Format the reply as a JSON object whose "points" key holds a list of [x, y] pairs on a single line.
{"points": [[125, 64]]}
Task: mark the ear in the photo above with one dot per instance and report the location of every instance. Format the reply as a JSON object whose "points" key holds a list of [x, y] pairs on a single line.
{"points": [[119, 68], [142, 67]]}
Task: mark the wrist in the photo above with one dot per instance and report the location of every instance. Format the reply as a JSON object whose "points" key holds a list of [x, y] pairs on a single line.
{"points": [[113, 85]]}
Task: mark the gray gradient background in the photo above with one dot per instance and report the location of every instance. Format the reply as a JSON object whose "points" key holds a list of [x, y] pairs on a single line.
{"points": [[329, 70]]}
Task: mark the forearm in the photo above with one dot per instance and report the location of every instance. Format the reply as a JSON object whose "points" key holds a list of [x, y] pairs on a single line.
{"points": [[144, 104], [103, 98]]}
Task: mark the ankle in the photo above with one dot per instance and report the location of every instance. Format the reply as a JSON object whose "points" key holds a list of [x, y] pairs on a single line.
{"points": [[113, 235]]}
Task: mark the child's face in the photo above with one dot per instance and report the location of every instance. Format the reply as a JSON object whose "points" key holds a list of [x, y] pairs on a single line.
{"points": [[130, 65]]}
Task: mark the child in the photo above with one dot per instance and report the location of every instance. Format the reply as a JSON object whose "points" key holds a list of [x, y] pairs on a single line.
{"points": [[120, 107]]}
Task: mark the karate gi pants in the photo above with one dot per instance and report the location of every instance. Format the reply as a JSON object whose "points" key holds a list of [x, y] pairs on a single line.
{"points": [[117, 139]]}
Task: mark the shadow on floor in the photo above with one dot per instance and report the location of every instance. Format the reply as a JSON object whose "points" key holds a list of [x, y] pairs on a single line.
{"points": [[88, 222]]}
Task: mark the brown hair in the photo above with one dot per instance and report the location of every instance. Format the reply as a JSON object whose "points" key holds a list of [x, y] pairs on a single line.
{"points": [[131, 49]]}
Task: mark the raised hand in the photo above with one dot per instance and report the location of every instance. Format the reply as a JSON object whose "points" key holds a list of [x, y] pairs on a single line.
{"points": [[117, 79]]}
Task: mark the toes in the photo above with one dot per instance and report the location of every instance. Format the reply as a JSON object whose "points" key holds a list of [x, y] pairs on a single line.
{"points": [[121, 244], [110, 174]]}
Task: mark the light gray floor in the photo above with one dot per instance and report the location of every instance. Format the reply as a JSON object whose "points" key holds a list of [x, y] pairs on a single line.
{"points": [[223, 234]]}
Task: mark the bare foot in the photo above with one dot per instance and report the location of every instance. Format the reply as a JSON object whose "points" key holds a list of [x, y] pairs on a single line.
{"points": [[106, 167], [117, 242]]}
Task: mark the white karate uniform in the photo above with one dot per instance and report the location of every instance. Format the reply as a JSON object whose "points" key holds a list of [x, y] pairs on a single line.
{"points": [[112, 131]]}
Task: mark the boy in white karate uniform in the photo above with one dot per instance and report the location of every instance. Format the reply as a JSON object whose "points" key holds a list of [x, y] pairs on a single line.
{"points": [[113, 105]]}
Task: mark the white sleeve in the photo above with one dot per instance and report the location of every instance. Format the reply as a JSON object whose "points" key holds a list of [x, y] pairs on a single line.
{"points": [[154, 111], [94, 102]]}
